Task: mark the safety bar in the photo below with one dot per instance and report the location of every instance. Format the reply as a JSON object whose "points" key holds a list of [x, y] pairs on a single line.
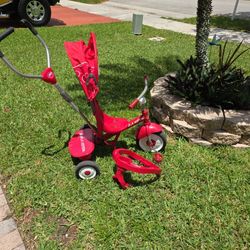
{"points": [[136, 100]]}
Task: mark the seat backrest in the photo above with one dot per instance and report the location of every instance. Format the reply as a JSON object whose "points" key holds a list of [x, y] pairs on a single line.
{"points": [[84, 60]]}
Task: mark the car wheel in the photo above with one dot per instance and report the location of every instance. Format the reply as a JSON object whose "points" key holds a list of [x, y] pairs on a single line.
{"points": [[37, 12]]}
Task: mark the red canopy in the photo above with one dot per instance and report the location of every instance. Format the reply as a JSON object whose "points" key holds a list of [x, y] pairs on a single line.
{"points": [[84, 60]]}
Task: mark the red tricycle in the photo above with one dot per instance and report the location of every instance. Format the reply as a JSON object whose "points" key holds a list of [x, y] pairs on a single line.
{"points": [[84, 59]]}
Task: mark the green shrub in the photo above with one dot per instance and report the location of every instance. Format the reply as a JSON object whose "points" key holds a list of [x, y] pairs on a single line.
{"points": [[219, 84]]}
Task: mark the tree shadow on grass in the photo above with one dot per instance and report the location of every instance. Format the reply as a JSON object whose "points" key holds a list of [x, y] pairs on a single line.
{"points": [[55, 149], [101, 151], [143, 180], [121, 83]]}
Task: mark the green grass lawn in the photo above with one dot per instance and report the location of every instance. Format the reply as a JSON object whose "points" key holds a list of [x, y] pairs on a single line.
{"points": [[223, 22], [201, 200]]}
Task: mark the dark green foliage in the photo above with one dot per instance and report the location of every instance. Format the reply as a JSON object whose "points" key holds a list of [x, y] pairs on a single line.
{"points": [[216, 85]]}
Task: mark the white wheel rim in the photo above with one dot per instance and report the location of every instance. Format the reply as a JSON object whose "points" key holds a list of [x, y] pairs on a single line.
{"points": [[158, 143], [87, 173], [35, 10]]}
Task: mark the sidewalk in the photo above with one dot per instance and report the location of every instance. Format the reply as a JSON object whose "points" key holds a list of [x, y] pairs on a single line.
{"points": [[10, 238], [153, 18]]}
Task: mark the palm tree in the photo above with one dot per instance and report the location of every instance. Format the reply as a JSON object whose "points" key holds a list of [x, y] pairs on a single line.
{"points": [[204, 10]]}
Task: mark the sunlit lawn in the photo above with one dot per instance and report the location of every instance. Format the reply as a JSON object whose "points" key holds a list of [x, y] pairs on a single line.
{"points": [[201, 200]]}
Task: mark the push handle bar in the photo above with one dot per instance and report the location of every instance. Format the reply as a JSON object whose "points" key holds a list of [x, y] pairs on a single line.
{"points": [[6, 33], [136, 100], [29, 26], [35, 33]]}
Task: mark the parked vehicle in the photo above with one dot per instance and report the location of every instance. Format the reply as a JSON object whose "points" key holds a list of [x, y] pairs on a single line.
{"points": [[37, 12]]}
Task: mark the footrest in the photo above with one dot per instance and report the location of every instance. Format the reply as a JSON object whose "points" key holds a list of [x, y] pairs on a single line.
{"points": [[82, 145], [127, 160]]}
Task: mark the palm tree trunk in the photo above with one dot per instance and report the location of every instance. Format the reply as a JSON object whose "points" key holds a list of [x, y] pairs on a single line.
{"points": [[202, 30]]}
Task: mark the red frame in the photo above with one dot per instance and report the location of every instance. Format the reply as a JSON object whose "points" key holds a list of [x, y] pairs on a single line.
{"points": [[144, 130], [127, 160], [84, 59]]}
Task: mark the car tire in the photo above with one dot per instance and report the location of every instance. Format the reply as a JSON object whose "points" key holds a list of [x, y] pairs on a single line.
{"points": [[37, 12]]}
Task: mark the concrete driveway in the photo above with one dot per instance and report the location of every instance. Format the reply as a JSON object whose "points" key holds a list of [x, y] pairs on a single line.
{"points": [[180, 8], [154, 10]]}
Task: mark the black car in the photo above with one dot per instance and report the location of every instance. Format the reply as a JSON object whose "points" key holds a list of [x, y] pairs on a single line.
{"points": [[37, 12]]}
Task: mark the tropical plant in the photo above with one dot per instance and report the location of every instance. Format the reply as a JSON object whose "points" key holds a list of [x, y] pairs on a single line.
{"points": [[221, 84]]}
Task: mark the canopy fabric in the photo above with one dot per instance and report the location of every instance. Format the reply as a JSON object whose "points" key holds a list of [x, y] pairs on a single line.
{"points": [[84, 60]]}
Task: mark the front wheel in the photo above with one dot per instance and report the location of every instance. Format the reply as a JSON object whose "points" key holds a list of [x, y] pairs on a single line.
{"points": [[153, 143], [87, 170], [37, 12]]}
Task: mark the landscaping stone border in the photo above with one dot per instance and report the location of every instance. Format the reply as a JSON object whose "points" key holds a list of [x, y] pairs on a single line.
{"points": [[201, 125]]}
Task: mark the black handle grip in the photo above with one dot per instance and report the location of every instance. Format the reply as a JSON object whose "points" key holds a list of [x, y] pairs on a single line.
{"points": [[30, 26], [6, 33]]}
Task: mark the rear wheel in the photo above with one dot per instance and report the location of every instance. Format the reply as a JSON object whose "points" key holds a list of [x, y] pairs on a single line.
{"points": [[87, 170], [37, 12], [153, 143]]}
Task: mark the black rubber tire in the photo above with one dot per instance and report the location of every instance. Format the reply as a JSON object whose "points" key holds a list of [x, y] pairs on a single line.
{"points": [[87, 165], [162, 135], [23, 14]]}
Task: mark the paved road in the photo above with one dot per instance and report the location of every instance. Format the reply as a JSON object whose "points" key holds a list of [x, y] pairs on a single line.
{"points": [[153, 16], [180, 8]]}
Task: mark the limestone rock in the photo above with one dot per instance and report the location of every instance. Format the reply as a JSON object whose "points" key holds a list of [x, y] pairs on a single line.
{"points": [[200, 142], [158, 92], [231, 127], [168, 129], [161, 82], [175, 106], [183, 128], [220, 137], [237, 121], [238, 145], [159, 115], [166, 77], [245, 139], [205, 117]]}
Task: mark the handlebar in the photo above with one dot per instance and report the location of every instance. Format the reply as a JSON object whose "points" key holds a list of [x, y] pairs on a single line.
{"points": [[136, 100], [29, 26], [35, 33], [6, 33], [133, 103]]}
